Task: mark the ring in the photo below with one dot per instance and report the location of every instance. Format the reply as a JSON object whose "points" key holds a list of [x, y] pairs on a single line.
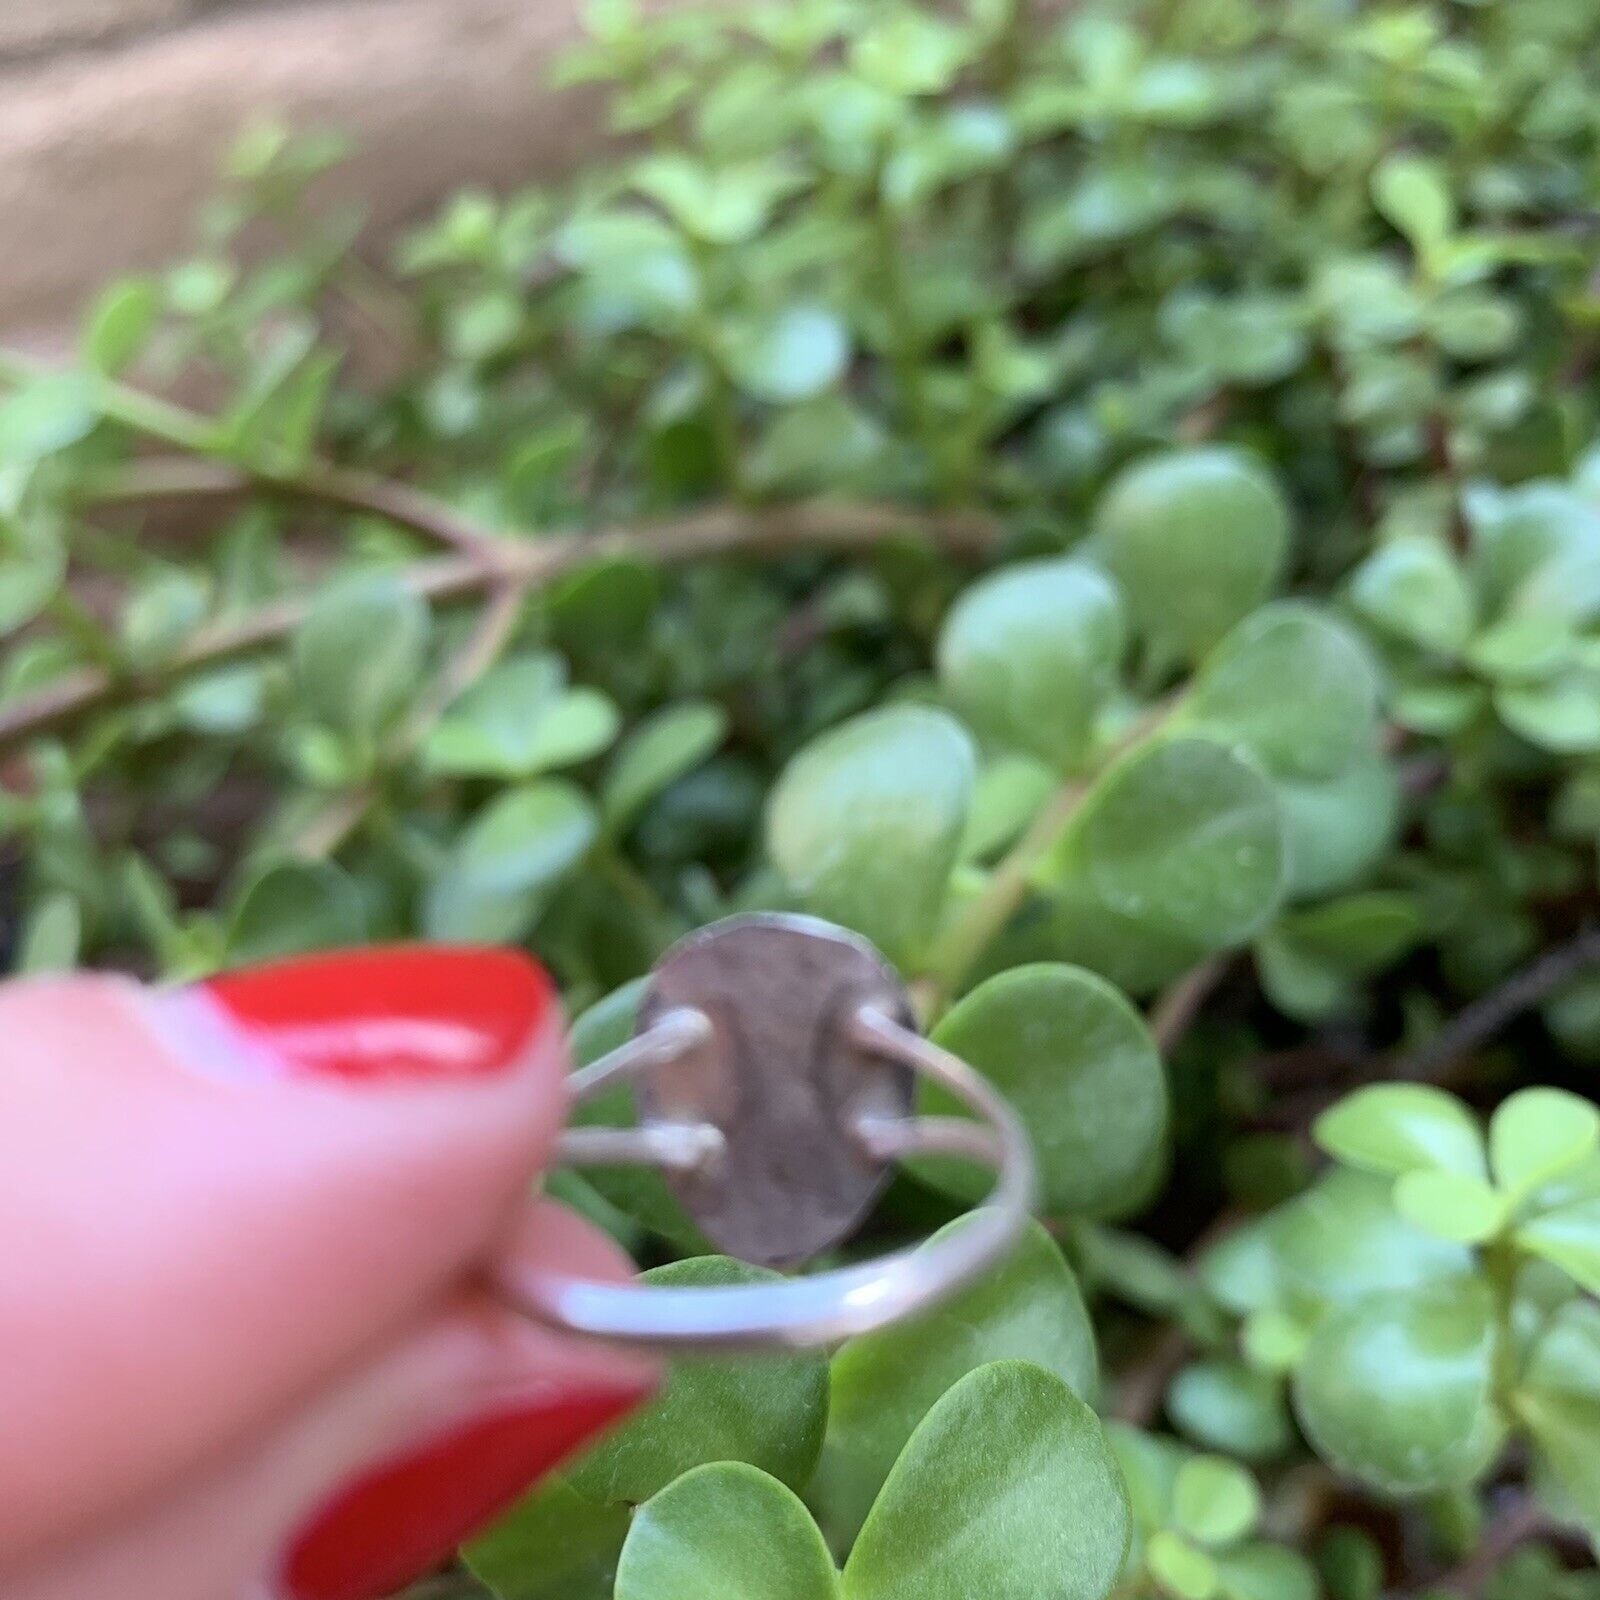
{"points": [[774, 1068]]}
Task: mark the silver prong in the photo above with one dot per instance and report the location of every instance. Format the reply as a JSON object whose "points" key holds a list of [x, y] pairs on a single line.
{"points": [[674, 1035], [673, 1146], [895, 1138]]}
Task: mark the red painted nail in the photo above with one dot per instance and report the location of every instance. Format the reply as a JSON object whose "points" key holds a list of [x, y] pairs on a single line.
{"points": [[404, 1519], [404, 1012]]}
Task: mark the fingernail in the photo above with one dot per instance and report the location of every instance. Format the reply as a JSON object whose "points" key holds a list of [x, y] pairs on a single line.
{"points": [[402, 1013], [398, 1523]]}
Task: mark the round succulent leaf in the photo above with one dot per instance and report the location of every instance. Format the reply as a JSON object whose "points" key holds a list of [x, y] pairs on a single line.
{"points": [[1450, 1205], [1538, 1134], [490, 730], [1401, 1127], [360, 650], [1336, 829], [1179, 1569], [1029, 653], [1007, 1489], [1395, 1389], [1077, 1063], [1227, 1406], [725, 1531], [1413, 193], [1412, 589], [1196, 538], [865, 822], [1214, 1501], [508, 861], [1183, 837], [766, 1410], [290, 907], [554, 1544], [1558, 1401], [46, 414], [1562, 715], [788, 355], [884, 1383], [1295, 688], [660, 750], [1567, 1237], [33, 563], [1342, 1240], [1266, 1572], [1008, 792]]}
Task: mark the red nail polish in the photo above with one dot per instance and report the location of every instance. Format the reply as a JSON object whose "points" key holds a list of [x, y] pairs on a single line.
{"points": [[404, 1012], [404, 1519]]}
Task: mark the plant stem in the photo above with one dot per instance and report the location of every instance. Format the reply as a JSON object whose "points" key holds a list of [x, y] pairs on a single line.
{"points": [[1434, 1062], [1501, 1264], [1178, 1005], [345, 487], [967, 938], [721, 531]]}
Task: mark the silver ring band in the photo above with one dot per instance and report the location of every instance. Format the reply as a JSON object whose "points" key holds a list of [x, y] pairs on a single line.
{"points": [[800, 1312]]}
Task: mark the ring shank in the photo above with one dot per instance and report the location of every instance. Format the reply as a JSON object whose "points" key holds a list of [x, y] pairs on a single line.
{"points": [[802, 1313]]}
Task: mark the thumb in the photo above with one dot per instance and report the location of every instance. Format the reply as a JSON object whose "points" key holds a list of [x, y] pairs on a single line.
{"points": [[214, 1199]]}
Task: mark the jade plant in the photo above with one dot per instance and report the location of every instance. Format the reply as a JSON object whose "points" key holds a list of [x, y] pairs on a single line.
{"points": [[1102, 502]]}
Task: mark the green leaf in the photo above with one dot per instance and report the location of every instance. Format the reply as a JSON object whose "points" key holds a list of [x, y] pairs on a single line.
{"points": [[1294, 688], [719, 206], [1396, 1389], [508, 861], [866, 820], [1402, 1127], [1227, 1406], [884, 1383], [162, 612], [1449, 1205], [1569, 1238], [46, 414], [359, 653], [556, 1544], [976, 1502], [1558, 1401], [1266, 1572], [1539, 1134], [1009, 791], [909, 52], [1562, 715], [51, 935], [790, 355], [1336, 829], [119, 324], [1197, 539], [1030, 653], [295, 906], [1413, 193], [1181, 1571], [1413, 589], [660, 750], [767, 1410], [1077, 1062], [725, 1532], [1215, 1501], [1183, 838], [33, 563], [490, 731], [1341, 1241]]}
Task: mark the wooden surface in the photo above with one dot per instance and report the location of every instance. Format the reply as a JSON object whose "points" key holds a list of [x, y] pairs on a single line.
{"points": [[110, 129]]}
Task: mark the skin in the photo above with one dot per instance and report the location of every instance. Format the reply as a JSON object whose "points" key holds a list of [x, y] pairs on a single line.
{"points": [[228, 1298]]}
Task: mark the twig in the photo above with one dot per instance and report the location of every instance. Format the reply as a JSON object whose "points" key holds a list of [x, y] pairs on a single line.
{"points": [[1144, 1387], [724, 531], [347, 488], [1485, 1017], [1521, 1521], [1177, 1006]]}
